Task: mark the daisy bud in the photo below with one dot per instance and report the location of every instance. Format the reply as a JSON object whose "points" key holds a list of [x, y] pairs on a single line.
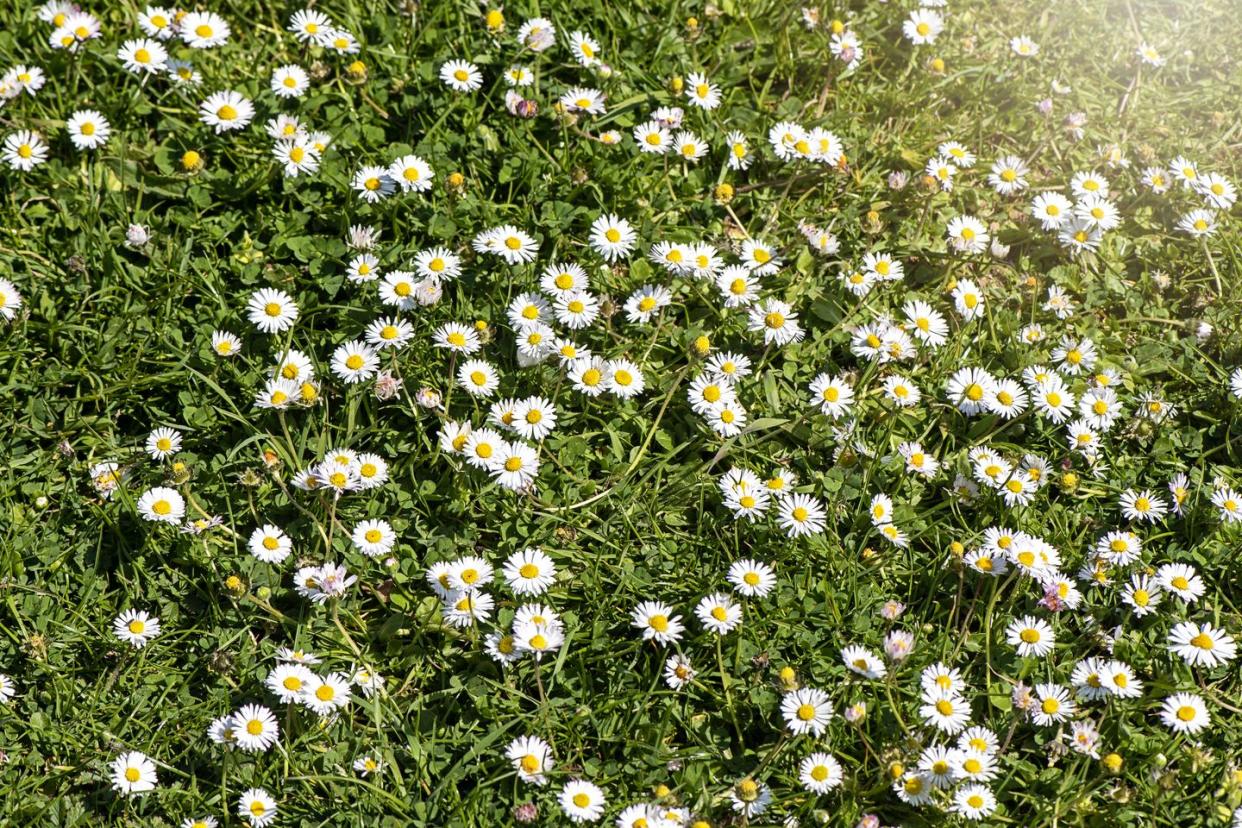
{"points": [[455, 181], [235, 584], [701, 346], [264, 593], [41, 502], [937, 66], [494, 20], [1112, 762], [191, 161], [692, 23], [356, 72], [428, 398], [898, 179], [895, 770], [999, 251], [676, 84], [137, 236], [662, 790], [837, 27], [789, 679], [724, 192], [1069, 481], [526, 812]]}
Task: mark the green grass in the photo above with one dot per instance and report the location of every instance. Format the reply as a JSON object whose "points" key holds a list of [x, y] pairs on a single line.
{"points": [[112, 342]]}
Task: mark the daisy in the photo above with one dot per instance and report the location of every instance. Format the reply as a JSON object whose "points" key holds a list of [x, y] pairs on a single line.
{"points": [[902, 392], [740, 156], [162, 505], [1181, 580], [820, 773], [688, 146], [296, 157], [1229, 504], [581, 801], [1053, 705], [513, 245], [718, 613], [203, 30], [226, 110], [309, 25], [751, 578], [531, 758], [653, 138], [287, 681], [142, 56], [389, 332], [623, 378], [801, 514], [461, 75], [255, 728], [289, 81], [1201, 645], [163, 443], [968, 300], [646, 302], [537, 34], [701, 92], [326, 694], [373, 183], [657, 622], [529, 572], [478, 378], [534, 418], [974, 802], [355, 362], [1142, 505], [516, 466], [24, 150], [136, 627], [760, 257], [1185, 713], [582, 99], [1198, 223], [678, 672], [863, 662], [612, 237], [584, 48], [373, 538], [270, 544], [1023, 46], [133, 773], [413, 175], [1031, 636], [968, 235], [776, 320], [807, 710], [1052, 210], [946, 711], [257, 807]]}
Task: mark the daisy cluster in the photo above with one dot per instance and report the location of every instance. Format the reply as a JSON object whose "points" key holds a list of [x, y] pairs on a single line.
{"points": [[815, 382]]}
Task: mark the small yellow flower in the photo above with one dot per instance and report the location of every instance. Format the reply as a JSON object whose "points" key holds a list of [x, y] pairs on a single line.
{"points": [[937, 66], [676, 84], [1112, 762], [702, 345], [191, 161], [356, 72], [455, 181], [724, 192], [495, 20]]}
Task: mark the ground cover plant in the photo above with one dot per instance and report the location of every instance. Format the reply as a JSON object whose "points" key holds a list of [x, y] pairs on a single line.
{"points": [[639, 414]]}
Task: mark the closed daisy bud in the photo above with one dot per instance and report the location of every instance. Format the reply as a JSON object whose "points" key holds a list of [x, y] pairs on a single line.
{"points": [[192, 161]]}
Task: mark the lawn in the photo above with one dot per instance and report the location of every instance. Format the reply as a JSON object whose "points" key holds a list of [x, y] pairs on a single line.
{"points": [[651, 414]]}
